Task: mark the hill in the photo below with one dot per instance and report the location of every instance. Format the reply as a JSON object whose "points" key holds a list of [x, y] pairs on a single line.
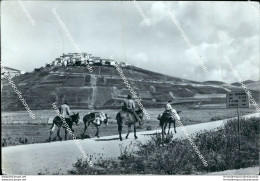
{"points": [[104, 88], [250, 84], [245, 82]]}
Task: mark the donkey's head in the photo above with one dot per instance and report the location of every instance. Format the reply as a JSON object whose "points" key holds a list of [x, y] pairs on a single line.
{"points": [[75, 118], [159, 117], [140, 113]]}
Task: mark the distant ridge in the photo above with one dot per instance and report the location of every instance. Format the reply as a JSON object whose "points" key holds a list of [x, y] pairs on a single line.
{"points": [[245, 82], [214, 82], [250, 84]]}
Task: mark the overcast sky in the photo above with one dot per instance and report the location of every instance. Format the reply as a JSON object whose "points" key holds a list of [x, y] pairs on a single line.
{"points": [[216, 29]]}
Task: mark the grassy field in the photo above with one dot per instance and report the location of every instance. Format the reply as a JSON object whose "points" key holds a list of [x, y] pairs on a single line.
{"points": [[19, 128]]}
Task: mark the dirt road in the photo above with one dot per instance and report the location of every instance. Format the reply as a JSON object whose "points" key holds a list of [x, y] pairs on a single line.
{"points": [[59, 156]]}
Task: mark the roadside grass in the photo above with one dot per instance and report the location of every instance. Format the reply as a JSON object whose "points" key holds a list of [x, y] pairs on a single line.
{"points": [[39, 133], [18, 134], [10, 140], [177, 156], [18, 129]]}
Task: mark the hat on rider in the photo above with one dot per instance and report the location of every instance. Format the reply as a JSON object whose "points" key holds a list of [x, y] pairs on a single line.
{"points": [[129, 97]]}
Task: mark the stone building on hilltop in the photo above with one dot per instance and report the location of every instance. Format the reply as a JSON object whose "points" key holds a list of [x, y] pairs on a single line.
{"points": [[83, 59]]}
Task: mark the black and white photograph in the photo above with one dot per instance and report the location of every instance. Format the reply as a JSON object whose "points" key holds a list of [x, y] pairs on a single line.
{"points": [[132, 87]]}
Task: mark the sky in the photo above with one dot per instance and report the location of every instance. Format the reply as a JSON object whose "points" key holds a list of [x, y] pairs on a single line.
{"points": [[116, 28]]}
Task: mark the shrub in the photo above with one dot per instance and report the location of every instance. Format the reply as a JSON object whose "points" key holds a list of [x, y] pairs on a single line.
{"points": [[10, 140], [149, 128], [177, 156]]}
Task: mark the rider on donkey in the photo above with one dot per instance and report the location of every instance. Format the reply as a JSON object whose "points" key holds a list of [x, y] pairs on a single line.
{"points": [[171, 111], [65, 110], [129, 106]]}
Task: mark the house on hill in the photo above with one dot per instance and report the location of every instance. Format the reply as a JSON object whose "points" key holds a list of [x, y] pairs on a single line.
{"points": [[108, 62], [82, 59]]}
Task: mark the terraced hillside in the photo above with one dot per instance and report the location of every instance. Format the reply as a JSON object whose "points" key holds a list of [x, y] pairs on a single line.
{"points": [[104, 88]]}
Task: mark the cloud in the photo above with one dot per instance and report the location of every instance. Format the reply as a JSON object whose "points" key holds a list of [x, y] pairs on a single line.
{"points": [[216, 29]]}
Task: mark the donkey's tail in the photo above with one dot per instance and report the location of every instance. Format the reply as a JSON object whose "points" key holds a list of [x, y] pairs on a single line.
{"points": [[52, 125]]}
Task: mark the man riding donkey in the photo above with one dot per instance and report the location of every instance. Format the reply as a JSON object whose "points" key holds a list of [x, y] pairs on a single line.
{"points": [[65, 110], [171, 111], [169, 116], [67, 117], [129, 117], [129, 106]]}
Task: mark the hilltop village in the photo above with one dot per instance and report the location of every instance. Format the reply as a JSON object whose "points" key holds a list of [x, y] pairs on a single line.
{"points": [[82, 59]]}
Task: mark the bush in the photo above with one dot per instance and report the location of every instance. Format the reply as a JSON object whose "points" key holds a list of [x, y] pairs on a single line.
{"points": [[149, 128], [176, 156], [215, 118], [10, 140]]}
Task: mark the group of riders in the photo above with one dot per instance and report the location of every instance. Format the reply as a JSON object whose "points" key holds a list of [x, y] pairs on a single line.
{"points": [[128, 105], [128, 116]]}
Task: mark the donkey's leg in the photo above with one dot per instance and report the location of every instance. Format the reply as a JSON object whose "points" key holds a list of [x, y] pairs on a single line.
{"points": [[58, 133], [97, 132], [72, 135], [65, 133], [51, 131], [169, 128], [174, 126], [85, 128], [164, 128], [129, 130], [120, 131], [135, 131]]}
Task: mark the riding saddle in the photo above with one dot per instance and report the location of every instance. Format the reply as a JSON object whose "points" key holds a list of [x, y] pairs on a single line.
{"points": [[129, 119], [165, 115], [97, 117]]}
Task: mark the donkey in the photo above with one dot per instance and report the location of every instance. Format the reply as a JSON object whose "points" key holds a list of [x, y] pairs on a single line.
{"points": [[165, 119], [129, 119], [96, 118], [57, 121]]}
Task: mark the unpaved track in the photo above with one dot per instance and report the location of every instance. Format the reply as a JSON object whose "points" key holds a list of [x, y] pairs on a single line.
{"points": [[241, 171], [59, 156]]}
